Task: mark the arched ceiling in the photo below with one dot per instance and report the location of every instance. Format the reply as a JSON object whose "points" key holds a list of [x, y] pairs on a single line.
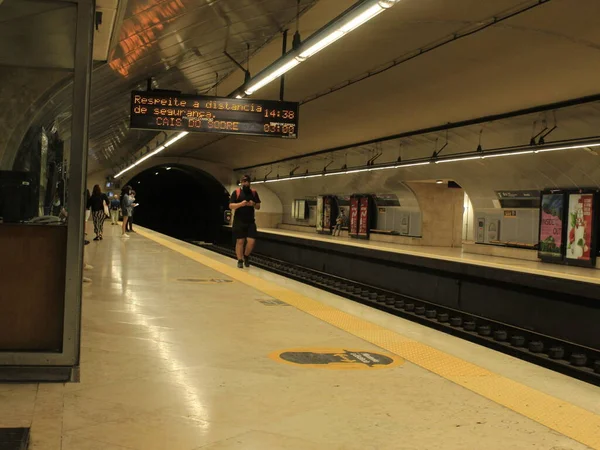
{"points": [[547, 54], [547, 51]]}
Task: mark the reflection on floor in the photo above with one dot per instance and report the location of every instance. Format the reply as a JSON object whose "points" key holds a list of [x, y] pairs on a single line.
{"points": [[177, 355], [586, 275]]}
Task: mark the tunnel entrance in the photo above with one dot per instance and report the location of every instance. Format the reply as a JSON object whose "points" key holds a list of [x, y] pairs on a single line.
{"points": [[180, 201]]}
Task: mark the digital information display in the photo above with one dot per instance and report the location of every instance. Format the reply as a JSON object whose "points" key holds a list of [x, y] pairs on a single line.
{"points": [[194, 113]]}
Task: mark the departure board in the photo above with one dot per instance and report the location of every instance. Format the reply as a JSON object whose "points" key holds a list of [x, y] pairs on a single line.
{"points": [[194, 113]]}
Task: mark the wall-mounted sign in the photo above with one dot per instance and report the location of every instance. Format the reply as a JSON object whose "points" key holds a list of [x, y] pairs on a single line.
{"points": [[518, 194], [510, 213], [337, 358], [152, 110], [580, 223]]}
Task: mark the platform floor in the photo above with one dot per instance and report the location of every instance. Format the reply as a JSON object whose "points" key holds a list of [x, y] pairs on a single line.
{"points": [[583, 274], [180, 352]]}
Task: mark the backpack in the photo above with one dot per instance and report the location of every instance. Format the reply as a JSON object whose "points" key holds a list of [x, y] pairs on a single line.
{"points": [[238, 192]]}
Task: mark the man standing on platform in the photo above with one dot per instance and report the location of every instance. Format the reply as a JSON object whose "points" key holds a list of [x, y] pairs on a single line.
{"points": [[115, 207], [244, 201]]}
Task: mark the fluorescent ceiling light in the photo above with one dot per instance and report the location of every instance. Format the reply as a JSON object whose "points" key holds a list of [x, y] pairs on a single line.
{"points": [[362, 18], [382, 168], [239, 96], [570, 147], [334, 173], [320, 45], [176, 138], [498, 155], [272, 76], [312, 176], [413, 164], [458, 159]]}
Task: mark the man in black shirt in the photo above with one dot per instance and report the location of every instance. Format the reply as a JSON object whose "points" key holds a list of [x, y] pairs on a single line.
{"points": [[244, 201]]}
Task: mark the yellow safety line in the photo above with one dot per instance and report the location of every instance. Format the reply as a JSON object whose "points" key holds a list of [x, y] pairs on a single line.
{"points": [[563, 417]]}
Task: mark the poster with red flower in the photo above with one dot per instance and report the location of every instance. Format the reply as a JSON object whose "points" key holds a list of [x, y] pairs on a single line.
{"points": [[579, 232], [363, 227]]}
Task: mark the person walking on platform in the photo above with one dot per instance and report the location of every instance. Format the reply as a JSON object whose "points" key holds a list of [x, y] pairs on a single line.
{"points": [[244, 201], [98, 203], [115, 206]]}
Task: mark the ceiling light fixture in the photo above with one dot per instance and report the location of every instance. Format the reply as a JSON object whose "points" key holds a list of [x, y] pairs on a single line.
{"points": [[466, 158], [342, 25], [424, 163], [569, 147], [159, 149], [498, 155]]}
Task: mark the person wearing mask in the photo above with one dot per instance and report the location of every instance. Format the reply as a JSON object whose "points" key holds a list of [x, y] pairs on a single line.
{"points": [[244, 201], [98, 203], [115, 206], [126, 208]]}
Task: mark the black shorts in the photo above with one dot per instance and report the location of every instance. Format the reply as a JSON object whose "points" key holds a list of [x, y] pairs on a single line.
{"points": [[243, 230]]}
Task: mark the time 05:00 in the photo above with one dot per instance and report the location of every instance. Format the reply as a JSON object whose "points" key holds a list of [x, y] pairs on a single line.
{"points": [[278, 128], [285, 114]]}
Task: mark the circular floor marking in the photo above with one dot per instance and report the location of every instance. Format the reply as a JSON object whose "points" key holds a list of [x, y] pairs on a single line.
{"points": [[336, 358]]}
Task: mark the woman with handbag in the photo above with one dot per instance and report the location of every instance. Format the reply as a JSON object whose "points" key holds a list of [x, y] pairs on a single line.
{"points": [[98, 203]]}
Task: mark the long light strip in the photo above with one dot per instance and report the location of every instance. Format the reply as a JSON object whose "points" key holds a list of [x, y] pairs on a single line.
{"points": [[320, 40], [497, 155], [152, 153], [572, 147], [441, 161], [272, 76], [466, 157]]}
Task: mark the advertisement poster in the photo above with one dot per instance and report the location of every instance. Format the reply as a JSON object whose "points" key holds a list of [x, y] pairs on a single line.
{"points": [[579, 232], [551, 226], [354, 216], [319, 222], [363, 226]]}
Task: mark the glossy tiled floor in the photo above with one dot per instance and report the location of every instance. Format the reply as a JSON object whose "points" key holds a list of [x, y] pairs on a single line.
{"points": [[170, 363]]}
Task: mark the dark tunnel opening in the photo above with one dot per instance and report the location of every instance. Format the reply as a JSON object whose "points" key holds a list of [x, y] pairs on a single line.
{"points": [[180, 201]]}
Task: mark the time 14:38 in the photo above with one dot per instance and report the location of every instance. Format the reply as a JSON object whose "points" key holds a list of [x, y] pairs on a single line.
{"points": [[282, 114]]}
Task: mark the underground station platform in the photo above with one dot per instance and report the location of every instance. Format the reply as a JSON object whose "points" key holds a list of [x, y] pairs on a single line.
{"points": [[183, 350]]}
